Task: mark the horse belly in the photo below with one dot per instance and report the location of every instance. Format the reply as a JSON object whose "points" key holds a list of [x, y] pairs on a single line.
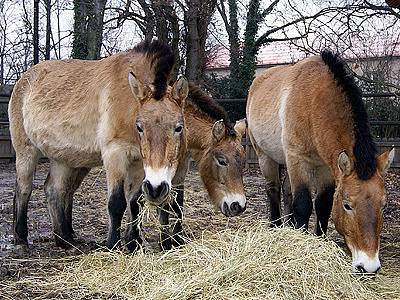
{"points": [[68, 137], [268, 136]]}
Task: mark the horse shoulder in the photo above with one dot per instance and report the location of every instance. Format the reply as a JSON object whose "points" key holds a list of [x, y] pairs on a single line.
{"points": [[115, 128]]}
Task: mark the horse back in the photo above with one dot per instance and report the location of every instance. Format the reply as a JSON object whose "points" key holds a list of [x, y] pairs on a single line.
{"points": [[68, 108], [297, 109]]}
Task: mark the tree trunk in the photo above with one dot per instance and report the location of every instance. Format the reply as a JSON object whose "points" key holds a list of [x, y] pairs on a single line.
{"points": [[95, 29], [167, 29], [35, 32], [88, 28], [248, 66], [161, 23], [1, 68], [197, 19], [174, 28], [148, 29], [234, 51], [48, 29]]}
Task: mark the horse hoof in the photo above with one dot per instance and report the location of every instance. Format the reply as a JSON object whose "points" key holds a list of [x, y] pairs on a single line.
{"points": [[172, 241], [64, 242], [275, 224], [166, 244], [20, 241], [177, 241], [21, 249], [134, 245]]}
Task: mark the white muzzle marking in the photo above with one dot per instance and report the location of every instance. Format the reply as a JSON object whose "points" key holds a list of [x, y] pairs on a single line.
{"points": [[156, 176], [363, 260], [228, 199]]}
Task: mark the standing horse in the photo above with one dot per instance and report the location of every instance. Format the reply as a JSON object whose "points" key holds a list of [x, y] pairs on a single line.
{"points": [[311, 117], [80, 114], [215, 145]]}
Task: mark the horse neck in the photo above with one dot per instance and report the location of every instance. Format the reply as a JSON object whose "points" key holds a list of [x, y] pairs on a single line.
{"points": [[199, 129], [334, 132]]}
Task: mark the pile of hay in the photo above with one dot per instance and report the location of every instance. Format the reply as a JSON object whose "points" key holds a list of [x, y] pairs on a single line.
{"points": [[250, 263]]}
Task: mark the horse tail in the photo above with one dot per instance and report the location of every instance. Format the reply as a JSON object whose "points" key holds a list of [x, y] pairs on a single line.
{"points": [[364, 148]]}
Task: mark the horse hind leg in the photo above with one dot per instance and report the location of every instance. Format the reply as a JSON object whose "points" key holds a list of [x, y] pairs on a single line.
{"points": [[57, 189], [77, 176], [270, 170], [26, 161]]}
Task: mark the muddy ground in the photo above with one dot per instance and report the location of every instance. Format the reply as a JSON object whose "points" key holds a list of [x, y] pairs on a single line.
{"points": [[90, 223]]}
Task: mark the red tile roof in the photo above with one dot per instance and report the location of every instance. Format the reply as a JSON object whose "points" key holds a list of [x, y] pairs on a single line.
{"points": [[283, 52]]}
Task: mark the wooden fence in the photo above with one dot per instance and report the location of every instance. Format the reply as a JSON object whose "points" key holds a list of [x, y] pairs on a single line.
{"points": [[6, 149], [7, 152]]}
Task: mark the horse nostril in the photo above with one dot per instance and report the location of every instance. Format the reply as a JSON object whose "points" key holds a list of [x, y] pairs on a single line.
{"points": [[235, 207], [163, 189], [361, 269], [225, 209], [147, 188]]}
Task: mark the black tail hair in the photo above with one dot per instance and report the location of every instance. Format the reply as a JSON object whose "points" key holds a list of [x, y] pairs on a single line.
{"points": [[162, 60], [364, 146]]}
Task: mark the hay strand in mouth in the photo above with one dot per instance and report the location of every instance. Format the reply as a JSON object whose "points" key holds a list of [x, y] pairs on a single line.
{"points": [[253, 262]]}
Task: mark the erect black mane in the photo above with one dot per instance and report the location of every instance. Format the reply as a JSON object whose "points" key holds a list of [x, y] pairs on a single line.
{"points": [[162, 60], [364, 147], [211, 108]]}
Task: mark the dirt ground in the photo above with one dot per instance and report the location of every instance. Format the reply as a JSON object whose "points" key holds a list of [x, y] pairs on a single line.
{"points": [[90, 223]]}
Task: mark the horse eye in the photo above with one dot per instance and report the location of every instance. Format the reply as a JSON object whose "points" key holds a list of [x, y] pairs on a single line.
{"points": [[178, 129], [347, 206], [222, 162], [139, 128]]}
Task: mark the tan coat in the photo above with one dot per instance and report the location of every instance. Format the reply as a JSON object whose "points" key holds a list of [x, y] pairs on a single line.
{"points": [[310, 116]]}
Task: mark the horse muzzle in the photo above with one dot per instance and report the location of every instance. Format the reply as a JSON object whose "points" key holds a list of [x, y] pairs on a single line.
{"points": [[233, 205], [363, 263], [156, 194]]}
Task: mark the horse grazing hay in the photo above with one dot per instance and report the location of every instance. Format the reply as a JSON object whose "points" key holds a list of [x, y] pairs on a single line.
{"points": [[253, 262]]}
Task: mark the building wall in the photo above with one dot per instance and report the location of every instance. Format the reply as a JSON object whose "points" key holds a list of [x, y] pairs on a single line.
{"points": [[388, 65]]}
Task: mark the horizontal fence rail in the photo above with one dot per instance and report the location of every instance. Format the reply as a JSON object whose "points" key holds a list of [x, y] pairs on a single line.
{"points": [[7, 151]]}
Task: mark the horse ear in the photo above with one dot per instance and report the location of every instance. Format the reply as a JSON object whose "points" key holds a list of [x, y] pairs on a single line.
{"points": [[137, 87], [240, 127], [218, 130], [180, 90], [344, 163], [385, 160]]}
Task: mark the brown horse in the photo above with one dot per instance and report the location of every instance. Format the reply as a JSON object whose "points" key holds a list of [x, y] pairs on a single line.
{"points": [[215, 144], [311, 117], [80, 114]]}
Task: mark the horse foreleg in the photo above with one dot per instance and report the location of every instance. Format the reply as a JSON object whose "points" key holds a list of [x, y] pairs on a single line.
{"points": [[171, 235], [133, 180], [323, 208], [116, 209], [287, 199], [133, 240], [299, 173], [116, 167]]}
